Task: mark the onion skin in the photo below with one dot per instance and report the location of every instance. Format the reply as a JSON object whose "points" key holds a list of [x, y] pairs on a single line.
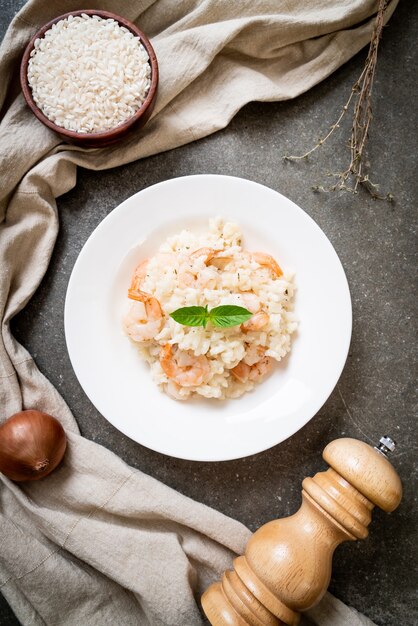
{"points": [[32, 444]]}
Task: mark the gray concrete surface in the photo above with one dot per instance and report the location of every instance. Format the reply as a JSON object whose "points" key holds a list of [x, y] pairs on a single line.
{"points": [[376, 243]]}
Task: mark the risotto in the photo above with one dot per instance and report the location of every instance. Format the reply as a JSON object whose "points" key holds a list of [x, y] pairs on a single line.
{"points": [[210, 270]]}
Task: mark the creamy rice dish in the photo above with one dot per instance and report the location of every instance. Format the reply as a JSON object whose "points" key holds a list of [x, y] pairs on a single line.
{"points": [[210, 270]]}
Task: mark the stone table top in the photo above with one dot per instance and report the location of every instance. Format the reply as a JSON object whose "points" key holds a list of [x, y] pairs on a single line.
{"points": [[376, 243]]}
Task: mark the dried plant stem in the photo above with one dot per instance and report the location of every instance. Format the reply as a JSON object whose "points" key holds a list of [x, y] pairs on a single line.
{"points": [[361, 94], [332, 129]]}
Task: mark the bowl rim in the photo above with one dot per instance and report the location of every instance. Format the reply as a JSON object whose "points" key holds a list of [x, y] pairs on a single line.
{"points": [[107, 134]]}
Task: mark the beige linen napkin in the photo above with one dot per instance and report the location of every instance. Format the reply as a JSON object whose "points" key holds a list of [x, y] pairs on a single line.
{"points": [[99, 542]]}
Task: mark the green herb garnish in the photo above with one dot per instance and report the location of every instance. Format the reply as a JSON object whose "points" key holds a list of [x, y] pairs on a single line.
{"points": [[222, 316], [229, 315]]}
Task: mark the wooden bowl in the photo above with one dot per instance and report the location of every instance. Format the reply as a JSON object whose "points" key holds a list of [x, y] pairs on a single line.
{"points": [[108, 137]]}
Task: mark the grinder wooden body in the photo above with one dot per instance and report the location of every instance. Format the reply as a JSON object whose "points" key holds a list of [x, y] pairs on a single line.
{"points": [[286, 567]]}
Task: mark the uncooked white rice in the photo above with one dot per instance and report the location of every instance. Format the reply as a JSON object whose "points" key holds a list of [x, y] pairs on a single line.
{"points": [[177, 281], [89, 74]]}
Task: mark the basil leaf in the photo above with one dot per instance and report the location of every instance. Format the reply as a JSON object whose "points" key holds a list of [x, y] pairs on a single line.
{"points": [[229, 315], [191, 316], [221, 316]]}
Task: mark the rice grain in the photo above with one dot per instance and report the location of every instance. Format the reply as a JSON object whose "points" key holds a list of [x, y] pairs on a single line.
{"points": [[89, 74]]}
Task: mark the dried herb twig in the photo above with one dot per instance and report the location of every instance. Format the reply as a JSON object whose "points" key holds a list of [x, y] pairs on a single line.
{"points": [[361, 94]]}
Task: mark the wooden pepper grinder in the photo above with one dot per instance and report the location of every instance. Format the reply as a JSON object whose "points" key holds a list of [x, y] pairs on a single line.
{"points": [[286, 567]]}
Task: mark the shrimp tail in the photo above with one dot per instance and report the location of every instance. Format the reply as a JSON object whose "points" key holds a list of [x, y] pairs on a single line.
{"points": [[266, 260]]}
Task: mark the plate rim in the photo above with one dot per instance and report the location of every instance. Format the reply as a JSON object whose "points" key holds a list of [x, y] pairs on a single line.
{"points": [[122, 207]]}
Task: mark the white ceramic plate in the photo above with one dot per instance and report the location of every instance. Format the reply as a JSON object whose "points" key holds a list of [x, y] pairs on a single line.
{"points": [[118, 382]]}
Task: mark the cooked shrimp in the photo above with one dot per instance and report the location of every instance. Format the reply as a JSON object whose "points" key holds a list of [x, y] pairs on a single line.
{"points": [[265, 260], [250, 301], [173, 390], [244, 372], [219, 261], [208, 253], [183, 367], [241, 371], [145, 317], [261, 368], [187, 277], [254, 353], [212, 257], [139, 274], [256, 322]]}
